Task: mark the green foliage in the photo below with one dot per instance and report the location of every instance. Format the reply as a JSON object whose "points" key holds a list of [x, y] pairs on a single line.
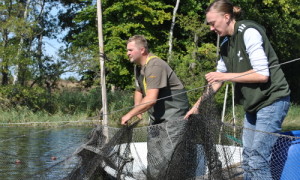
{"points": [[68, 102], [34, 98], [22, 114], [194, 52], [192, 72], [122, 20]]}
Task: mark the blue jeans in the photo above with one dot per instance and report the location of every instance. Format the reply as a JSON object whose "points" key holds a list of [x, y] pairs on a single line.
{"points": [[257, 143]]}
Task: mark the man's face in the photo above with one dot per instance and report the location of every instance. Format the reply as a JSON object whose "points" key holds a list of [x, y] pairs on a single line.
{"points": [[218, 22], [134, 52]]}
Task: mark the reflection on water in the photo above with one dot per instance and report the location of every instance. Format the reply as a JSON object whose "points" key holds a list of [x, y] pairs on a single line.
{"points": [[42, 152]]}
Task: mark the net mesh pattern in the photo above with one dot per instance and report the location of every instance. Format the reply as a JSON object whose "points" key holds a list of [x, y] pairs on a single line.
{"points": [[198, 148]]}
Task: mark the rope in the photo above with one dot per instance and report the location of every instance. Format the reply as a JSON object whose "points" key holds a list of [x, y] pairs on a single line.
{"points": [[166, 97], [57, 122], [270, 133], [201, 87]]}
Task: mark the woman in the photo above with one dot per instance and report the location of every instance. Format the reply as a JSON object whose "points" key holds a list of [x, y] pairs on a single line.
{"points": [[247, 60]]}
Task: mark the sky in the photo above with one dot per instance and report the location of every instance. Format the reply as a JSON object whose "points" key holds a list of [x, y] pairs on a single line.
{"points": [[52, 46]]}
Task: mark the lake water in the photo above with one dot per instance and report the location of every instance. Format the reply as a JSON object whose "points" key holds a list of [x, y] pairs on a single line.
{"points": [[39, 153]]}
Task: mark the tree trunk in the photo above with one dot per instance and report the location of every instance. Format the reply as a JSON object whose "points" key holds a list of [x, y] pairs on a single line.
{"points": [[172, 30], [21, 67], [4, 68], [40, 61], [40, 17], [196, 41]]}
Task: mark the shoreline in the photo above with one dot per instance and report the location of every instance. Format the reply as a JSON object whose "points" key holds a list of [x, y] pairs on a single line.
{"points": [[25, 117]]}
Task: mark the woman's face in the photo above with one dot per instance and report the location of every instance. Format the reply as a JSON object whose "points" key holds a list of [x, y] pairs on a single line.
{"points": [[218, 22]]}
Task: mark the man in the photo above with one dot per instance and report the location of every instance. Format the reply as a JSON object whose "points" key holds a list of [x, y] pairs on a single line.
{"points": [[154, 80]]}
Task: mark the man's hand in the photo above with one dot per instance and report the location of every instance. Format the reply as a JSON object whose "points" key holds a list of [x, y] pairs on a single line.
{"points": [[125, 119], [215, 77], [194, 110], [146, 103], [140, 116]]}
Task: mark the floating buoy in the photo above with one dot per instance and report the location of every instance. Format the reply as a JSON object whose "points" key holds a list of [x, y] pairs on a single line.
{"points": [[18, 161], [53, 158]]}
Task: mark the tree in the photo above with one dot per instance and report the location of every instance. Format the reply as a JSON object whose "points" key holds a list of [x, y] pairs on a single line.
{"points": [[172, 29], [24, 23], [122, 20], [8, 25], [21, 66]]}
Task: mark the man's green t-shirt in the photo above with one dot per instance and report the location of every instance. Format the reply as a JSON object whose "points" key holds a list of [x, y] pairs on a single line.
{"points": [[157, 74]]}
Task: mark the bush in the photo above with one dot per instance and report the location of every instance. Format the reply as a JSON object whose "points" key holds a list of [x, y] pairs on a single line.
{"points": [[35, 98], [69, 102]]}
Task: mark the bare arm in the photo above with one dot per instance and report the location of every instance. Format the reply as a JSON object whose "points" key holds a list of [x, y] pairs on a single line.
{"points": [[194, 109], [138, 97], [245, 77], [146, 103], [214, 77]]}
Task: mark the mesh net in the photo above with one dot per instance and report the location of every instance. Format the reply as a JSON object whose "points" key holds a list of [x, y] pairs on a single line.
{"points": [[181, 149], [198, 148]]}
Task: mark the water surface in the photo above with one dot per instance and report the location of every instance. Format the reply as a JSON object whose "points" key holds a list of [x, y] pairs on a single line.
{"points": [[39, 153]]}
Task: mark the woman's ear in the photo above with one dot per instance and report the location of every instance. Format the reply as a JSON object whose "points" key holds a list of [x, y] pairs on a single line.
{"points": [[227, 18]]}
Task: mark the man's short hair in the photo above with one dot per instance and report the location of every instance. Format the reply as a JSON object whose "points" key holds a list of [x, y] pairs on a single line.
{"points": [[140, 41]]}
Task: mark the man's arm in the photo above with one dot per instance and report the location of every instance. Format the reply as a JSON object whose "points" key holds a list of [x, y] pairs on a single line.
{"points": [[138, 97], [194, 109], [146, 103]]}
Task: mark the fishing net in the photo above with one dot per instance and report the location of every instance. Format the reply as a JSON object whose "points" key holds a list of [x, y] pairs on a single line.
{"points": [[201, 148], [197, 148]]}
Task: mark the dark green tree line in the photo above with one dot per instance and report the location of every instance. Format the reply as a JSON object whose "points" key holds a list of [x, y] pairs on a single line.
{"points": [[22, 38]]}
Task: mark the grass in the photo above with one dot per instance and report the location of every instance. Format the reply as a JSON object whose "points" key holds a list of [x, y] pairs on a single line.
{"points": [[23, 116], [26, 117], [78, 106], [292, 121], [71, 106]]}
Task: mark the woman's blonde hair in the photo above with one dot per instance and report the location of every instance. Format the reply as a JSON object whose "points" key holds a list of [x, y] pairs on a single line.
{"points": [[226, 7]]}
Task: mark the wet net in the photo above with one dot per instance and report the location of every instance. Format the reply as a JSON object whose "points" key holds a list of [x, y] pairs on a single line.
{"points": [[197, 148], [201, 147]]}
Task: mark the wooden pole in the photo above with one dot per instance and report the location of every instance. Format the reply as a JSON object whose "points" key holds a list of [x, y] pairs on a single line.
{"points": [[102, 63]]}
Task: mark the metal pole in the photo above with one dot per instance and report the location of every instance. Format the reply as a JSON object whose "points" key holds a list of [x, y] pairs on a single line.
{"points": [[233, 110], [218, 47], [223, 111], [224, 103]]}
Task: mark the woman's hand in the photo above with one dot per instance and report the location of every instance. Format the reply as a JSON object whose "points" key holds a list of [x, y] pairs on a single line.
{"points": [[194, 110], [215, 77]]}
